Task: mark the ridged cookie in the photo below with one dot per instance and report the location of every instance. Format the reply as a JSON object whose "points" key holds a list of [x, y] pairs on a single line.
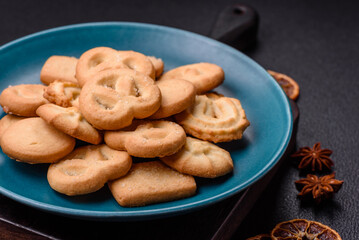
{"points": [[200, 158], [214, 118], [87, 169], [70, 121], [64, 94], [148, 139], [204, 76], [177, 95], [23, 100], [61, 68], [113, 98], [32, 140], [151, 182]]}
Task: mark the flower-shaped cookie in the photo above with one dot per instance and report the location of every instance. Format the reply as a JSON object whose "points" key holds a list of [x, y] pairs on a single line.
{"points": [[148, 139], [113, 98], [87, 169], [214, 118], [200, 158]]}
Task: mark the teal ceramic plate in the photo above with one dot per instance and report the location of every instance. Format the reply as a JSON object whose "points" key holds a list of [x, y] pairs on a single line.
{"points": [[260, 149]]}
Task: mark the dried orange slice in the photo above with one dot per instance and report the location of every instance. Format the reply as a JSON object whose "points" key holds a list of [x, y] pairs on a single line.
{"points": [[302, 229], [290, 87], [260, 237]]}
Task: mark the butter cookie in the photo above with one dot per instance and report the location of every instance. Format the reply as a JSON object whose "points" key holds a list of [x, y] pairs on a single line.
{"points": [[151, 182], [177, 95], [23, 100], [113, 98], [157, 64], [214, 118], [148, 139], [32, 140], [64, 94], [204, 76], [87, 169], [70, 121], [61, 68], [200, 158], [99, 59]]}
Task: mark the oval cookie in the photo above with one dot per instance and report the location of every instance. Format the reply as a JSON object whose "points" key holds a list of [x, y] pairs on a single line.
{"points": [[32, 140], [23, 100], [113, 98], [204, 76], [214, 118], [177, 95], [200, 158], [148, 139], [87, 169], [151, 182], [70, 121]]}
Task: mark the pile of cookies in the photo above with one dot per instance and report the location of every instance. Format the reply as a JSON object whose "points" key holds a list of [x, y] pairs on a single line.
{"points": [[122, 105]]}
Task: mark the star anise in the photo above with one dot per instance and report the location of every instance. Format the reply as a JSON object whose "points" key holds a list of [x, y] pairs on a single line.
{"points": [[314, 157], [318, 188]]}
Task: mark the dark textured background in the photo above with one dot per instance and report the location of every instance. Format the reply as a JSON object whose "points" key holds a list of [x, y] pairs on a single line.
{"points": [[315, 42]]}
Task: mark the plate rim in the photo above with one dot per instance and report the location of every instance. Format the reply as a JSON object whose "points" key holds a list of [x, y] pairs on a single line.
{"points": [[167, 211]]}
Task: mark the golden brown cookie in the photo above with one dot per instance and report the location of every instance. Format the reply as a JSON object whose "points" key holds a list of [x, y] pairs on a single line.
{"points": [[94, 61], [64, 94], [148, 139], [23, 100], [157, 64], [151, 182], [113, 98], [32, 140], [99, 59], [7, 121], [204, 76], [177, 95], [70, 121], [200, 158], [87, 169], [138, 62], [61, 68], [214, 118]]}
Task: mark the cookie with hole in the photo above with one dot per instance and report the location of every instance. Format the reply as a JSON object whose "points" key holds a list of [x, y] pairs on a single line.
{"points": [[99, 59], [148, 139], [87, 169], [113, 98]]}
